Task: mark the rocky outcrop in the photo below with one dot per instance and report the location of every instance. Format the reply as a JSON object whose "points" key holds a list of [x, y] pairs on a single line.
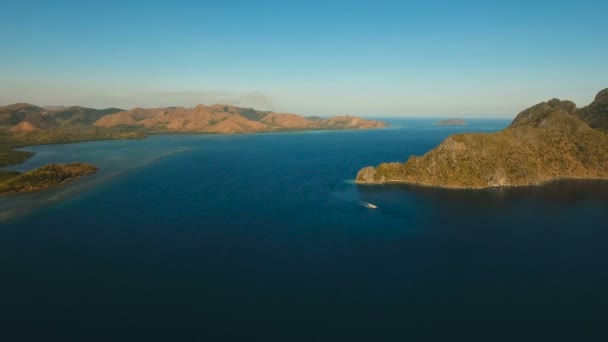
{"points": [[545, 142], [596, 114]]}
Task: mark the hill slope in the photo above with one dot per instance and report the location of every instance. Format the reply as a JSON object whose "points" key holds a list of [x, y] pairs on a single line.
{"points": [[225, 119], [545, 142], [23, 117], [77, 115]]}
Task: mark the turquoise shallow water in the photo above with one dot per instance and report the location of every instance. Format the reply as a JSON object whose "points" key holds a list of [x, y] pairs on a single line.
{"points": [[265, 237]]}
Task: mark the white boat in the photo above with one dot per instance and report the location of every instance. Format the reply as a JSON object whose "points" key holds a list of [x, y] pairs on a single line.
{"points": [[371, 206]]}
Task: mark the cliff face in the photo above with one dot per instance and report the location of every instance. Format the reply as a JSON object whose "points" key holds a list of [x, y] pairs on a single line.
{"points": [[226, 119], [545, 142]]}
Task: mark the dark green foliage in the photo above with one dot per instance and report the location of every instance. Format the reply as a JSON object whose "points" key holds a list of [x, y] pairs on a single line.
{"points": [[252, 114], [13, 114], [11, 157], [6, 175], [314, 118], [75, 134], [58, 135], [596, 114], [80, 115], [545, 142], [45, 177]]}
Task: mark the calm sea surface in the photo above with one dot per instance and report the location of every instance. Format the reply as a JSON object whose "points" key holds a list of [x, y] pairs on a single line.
{"points": [[264, 237]]}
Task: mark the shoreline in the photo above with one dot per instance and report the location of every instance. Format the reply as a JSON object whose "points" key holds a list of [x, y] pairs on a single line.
{"points": [[67, 180], [426, 185], [149, 134]]}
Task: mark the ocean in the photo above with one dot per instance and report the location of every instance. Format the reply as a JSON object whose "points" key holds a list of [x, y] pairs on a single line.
{"points": [[265, 237]]}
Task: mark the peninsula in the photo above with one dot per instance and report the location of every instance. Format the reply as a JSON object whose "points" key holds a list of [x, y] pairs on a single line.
{"points": [[45, 177], [23, 124], [549, 141]]}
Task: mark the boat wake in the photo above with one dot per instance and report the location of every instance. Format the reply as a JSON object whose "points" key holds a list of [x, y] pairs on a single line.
{"points": [[352, 199]]}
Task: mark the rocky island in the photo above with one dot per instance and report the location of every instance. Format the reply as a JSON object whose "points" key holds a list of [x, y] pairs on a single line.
{"points": [[43, 177], [451, 122], [549, 141]]}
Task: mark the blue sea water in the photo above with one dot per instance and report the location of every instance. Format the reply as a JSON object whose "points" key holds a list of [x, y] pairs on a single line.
{"points": [[264, 237]]}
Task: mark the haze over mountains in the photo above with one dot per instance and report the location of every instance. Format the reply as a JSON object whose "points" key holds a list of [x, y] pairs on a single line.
{"points": [[549, 141], [217, 118]]}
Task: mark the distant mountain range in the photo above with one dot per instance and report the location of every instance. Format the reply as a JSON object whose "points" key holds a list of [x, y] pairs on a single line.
{"points": [[549, 141], [23, 117]]}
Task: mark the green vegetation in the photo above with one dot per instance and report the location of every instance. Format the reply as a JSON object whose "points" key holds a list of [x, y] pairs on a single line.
{"points": [[45, 177], [11, 157], [72, 134], [545, 142], [252, 114], [12, 181], [596, 114], [80, 115], [60, 135], [15, 113], [6, 175]]}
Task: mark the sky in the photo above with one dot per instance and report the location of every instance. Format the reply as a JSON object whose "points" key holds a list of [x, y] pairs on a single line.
{"points": [[369, 58]]}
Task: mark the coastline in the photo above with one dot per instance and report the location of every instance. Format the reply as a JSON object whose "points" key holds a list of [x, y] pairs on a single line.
{"points": [[435, 186], [23, 147], [44, 177], [5, 169], [10, 193]]}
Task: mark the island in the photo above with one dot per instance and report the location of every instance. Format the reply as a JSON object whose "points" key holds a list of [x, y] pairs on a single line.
{"points": [[550, 141], [451, 122], [43, 177], [24, 124]]}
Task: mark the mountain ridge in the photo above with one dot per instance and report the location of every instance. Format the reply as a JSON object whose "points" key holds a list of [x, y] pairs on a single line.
{"points": [[24, 117], [227, 119]]}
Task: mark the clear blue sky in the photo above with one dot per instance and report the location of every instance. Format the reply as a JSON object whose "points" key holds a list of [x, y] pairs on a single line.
{"points": [[374, 58]]}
